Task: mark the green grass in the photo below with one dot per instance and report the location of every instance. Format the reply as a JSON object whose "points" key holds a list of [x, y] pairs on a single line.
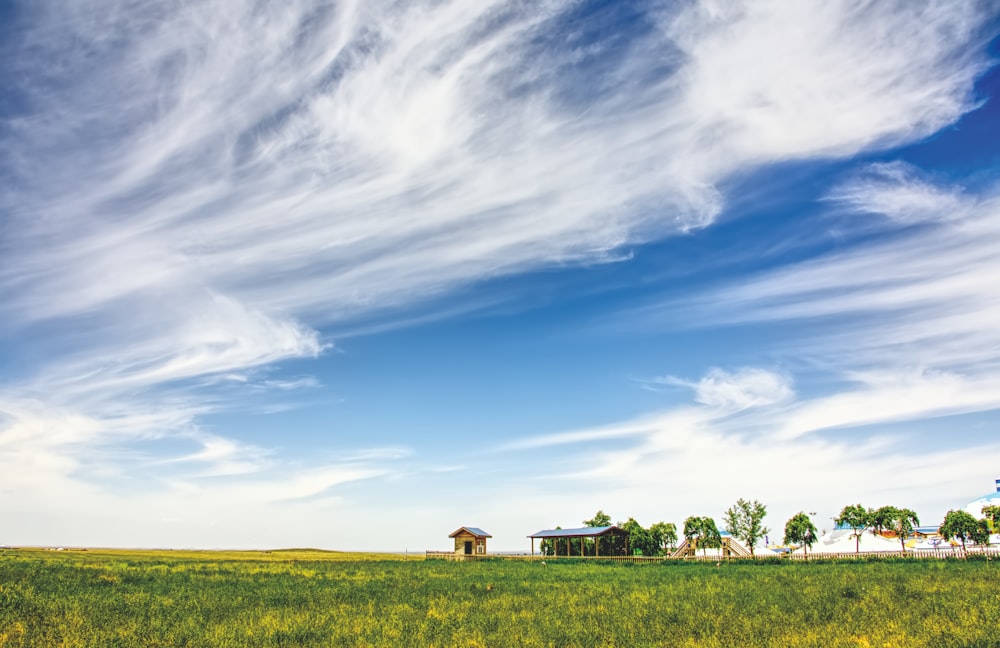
{"points": [[308, 598]]}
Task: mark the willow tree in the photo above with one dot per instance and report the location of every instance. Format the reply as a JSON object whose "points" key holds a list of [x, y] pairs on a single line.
{"points": [[701, 532], [858, 519], [903, 524], [801, 531], [961, 525]]}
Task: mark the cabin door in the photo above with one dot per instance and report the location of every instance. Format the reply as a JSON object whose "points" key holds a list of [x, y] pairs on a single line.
{"points": [[468, 547]]}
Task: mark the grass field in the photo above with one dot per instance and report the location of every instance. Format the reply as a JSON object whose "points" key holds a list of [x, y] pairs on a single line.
{"points": [[307, 598]]}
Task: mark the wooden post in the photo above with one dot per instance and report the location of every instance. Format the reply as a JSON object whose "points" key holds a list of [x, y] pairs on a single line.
{"points": [[597, 546], [532, 547]]}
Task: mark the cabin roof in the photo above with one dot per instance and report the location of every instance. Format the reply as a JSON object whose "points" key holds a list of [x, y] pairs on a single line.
{"points": [[479, 533], [585, 532]]}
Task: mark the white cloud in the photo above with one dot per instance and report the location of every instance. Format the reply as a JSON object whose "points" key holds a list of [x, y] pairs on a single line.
{"points": [[198, 189], [748, 387], [895, 190]]}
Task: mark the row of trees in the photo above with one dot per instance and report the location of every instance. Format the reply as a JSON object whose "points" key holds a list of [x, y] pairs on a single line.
{"points": [[745, 521], [901, 522]]}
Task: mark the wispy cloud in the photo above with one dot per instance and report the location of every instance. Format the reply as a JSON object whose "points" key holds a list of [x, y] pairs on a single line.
{"points": [[198, 189]]}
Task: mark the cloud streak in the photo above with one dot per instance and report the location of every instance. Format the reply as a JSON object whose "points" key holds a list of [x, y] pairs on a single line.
{"points": [[195, 190]]}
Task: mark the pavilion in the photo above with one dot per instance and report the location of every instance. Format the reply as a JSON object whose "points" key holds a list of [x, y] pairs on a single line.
{"points": [[557, 536]]}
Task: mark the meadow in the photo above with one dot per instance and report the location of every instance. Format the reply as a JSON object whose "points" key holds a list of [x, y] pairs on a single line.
{"points": [[308, 598]]}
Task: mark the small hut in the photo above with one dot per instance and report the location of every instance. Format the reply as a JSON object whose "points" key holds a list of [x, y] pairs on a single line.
{"points": [[470, 541]]}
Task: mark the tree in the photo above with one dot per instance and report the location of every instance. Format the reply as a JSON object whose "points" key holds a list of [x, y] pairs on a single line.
{"points": [[692, 526], [981, 534], [710, 536], [959, 524], [744, 521], [666, 533], [992, 513], [702, 532], [857, 518], [639, 539], [882, 519], [903, 524], [801, 531], [600, 519]]}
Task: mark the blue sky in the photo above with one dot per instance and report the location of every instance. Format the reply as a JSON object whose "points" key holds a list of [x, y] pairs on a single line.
{"points": [[310, 273]]}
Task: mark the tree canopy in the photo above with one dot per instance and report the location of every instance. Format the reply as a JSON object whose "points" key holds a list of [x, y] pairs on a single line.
{"points": [[801, 531], [745, 521], [981, 534], [600, 519], [666, 533], [882, 519], [992, 513], [961, 525], [858, 519], [903, 524], [702, 532]]}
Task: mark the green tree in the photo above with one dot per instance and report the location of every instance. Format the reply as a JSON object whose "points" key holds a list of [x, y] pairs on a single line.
{"points": [[992, 513], [903, 524], [640, 540], [702, 532], [857, 518], [981, 534], [800, 530], [959, 524], [666, 534], [692, 526], [745, 521], [600, 519], [882, 519]]}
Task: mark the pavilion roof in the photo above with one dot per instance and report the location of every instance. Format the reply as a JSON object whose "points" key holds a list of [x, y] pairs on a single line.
{"points": [[585, 532]]}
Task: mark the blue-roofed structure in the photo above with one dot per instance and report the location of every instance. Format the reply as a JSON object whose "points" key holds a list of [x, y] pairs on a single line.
{"points": [[604, 540]]}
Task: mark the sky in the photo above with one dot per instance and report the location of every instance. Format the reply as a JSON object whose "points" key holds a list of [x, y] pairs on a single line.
{"points": [[351, 275]]}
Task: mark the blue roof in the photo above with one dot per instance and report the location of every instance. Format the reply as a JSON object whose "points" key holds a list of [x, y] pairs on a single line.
{"points": [[584, 532], [473, 530]]}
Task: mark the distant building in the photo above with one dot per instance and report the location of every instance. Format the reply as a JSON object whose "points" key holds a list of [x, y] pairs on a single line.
{"points": [[470, 541]]}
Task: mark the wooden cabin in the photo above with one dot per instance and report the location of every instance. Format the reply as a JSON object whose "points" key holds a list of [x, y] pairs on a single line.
{"points": [[470, 541]]}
